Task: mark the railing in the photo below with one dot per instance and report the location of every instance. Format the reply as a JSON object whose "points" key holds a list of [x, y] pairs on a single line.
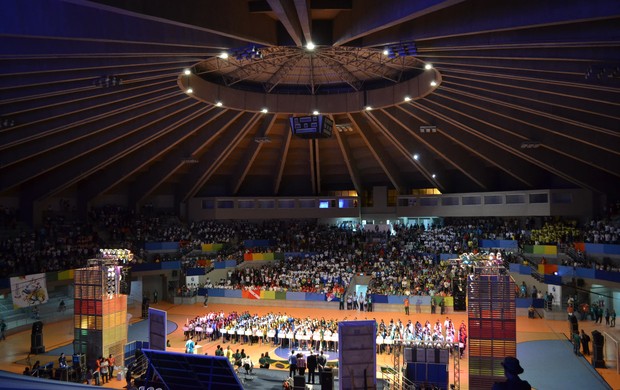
{"points": [[394, 380], [48, 312]]}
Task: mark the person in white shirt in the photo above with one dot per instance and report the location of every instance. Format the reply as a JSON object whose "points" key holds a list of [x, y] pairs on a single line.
{"points": [[247, 364]]}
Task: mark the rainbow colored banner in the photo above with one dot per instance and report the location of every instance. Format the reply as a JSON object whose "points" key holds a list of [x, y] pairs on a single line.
{"points": [[250, 294], [211, 247], [267, 295], [259, 256]]}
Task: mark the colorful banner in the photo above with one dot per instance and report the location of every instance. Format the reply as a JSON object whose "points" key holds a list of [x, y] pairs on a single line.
{"points": [[250, 294], [29, 290]]}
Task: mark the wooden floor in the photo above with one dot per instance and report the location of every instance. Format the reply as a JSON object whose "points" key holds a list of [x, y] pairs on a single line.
{"points": [[15, 348]]}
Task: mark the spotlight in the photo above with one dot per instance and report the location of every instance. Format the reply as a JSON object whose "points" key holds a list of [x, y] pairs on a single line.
{"points": [[433, 83], [407, 98], [433, 176], [6, 123], [187, 72], [416, 156], [223, 55], [310, 45], [108, 81], [368, 108], [428, 66], [264, 110], [189, 90], [218, 104], [315, 112], [386, 52]]}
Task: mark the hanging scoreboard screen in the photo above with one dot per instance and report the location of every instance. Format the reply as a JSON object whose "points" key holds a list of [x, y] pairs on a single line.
{"points": [[313, 126]]}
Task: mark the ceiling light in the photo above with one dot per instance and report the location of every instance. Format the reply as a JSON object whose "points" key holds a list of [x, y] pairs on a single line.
{"points": [[315, 112], [310, 46], [368, 108], [187, 72], [189, 90], [218, 104], [416, 156], [386, 52], [433, 83], [428, 66], [407, 98], [223, 55], [264, 110], [434, 176]]}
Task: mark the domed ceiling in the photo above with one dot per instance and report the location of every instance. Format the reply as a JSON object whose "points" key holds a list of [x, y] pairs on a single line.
{"points": [[461, 95]]}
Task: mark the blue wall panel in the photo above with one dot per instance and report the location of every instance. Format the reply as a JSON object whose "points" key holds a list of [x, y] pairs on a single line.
{"points": [[295, 296], [195, 271], [170, 265], [586, 273], [314, 297], [377, 298], [232, 293], [217, 292], [164, 246], [607, 275]]}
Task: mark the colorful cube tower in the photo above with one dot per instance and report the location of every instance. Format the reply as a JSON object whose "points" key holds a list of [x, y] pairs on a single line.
{"points": [[100, 314], [492, 327]]}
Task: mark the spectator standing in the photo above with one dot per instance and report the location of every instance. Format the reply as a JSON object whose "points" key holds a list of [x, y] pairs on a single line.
{"points": [[585, 343], [292, 361], [512, 369], [190, 345], [406, 302], [111, 364], [607, 315], [312, 363], [576, 343], [301, 364], [2, 330]]}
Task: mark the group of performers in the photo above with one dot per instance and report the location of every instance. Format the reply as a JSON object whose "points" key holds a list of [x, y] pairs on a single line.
{"points": [[275, 329], [398, 332], [281, 330]]}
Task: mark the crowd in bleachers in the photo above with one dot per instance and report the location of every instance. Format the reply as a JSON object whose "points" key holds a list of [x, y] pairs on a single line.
{"points": [[312, 273], [60, 244]]}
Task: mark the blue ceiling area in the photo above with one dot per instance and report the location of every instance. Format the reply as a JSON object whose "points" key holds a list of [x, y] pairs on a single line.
{"points": [[181, 371], [91, 103]]}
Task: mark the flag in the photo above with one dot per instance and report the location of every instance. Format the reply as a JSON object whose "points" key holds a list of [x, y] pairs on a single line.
{"points": [[29, 290]]}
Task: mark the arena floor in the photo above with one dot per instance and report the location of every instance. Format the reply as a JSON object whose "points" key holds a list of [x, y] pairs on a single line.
{"points": [[15, 348]]}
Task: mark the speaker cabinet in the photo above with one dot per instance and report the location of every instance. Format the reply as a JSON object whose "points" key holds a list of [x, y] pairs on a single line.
{"points": [[36, 338]]}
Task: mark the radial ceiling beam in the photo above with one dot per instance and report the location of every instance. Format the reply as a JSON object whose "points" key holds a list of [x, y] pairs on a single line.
{"points": [[303, 15], [226, 23], [343, 73], [113, 145], [370, 16], [250, 155], [38, 154], [485, 147], [439, 143], [381, 155], [287, 15], [345, 149], [313, 168], [426, 169], [212, 157], [280, 74], [282, 162], [162, 147], [493, 17], [165, 166]]}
